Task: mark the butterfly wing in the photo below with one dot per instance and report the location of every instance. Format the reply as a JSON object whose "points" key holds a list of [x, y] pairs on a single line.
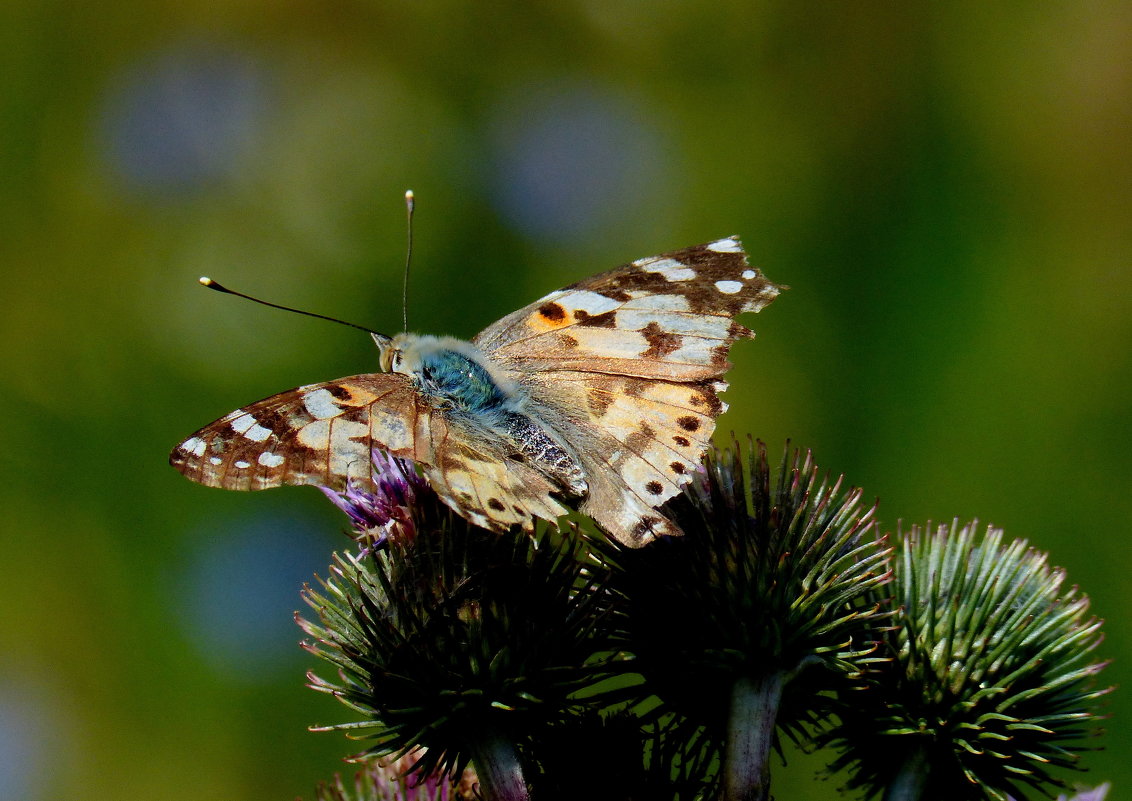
{"points": [[475, 473], [670, 317], [323, 434], [627, 366], [319, 434]]}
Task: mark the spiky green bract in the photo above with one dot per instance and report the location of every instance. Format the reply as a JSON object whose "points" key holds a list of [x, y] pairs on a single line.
{"points": [[989, 685], [764, 604], [461, 642]]}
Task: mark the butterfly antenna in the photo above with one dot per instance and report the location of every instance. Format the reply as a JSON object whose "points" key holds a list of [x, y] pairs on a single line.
{"points": [[409, 203], [208, 282]]}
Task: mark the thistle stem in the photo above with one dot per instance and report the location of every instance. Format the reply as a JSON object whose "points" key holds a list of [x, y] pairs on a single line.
{"points": [[911, 780], [750, 734], [498, 769]]}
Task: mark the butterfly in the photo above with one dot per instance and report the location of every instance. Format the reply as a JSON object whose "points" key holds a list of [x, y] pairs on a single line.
{"points": [[601, 396]]}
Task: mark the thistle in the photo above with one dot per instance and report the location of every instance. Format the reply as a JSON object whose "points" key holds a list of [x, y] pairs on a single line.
{"points": [[988, 685], [394, 780], [385, 505], [763, 604], [1098, 793], [461, 643]]}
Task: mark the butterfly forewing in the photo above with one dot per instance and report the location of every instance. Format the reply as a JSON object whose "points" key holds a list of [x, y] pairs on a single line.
{"points": [[668, 317], [320, 434]]}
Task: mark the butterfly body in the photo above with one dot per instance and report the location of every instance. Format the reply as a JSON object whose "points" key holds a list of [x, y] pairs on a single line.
{"points": [[457, 375], [600, 396]]}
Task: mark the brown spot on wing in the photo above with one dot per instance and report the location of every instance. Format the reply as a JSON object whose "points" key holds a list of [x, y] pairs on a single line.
{"points": [[552, 312], [627, 282], [654, 487], [645, 526], [635, 387], [661, 342], [683, 442], [604, 320], [599, 401], [678, 468], [357, 414], [496, 504], [709, 399], [638, 440], [619, 295], [739, 331], [688, 423]]}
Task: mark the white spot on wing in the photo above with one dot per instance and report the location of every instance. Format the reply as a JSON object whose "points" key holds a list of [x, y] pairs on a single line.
{"points": [[728, 245], [240, 463], [320, 403], [749, 274], [347, 456], [659, 302], [392, 432], [728, 287], [242, 423], [674, 322], [215, 460], [194, 445], [693, 350], [589, 302], [269, 459], [315, 435], [257, 433], [669, 268]]}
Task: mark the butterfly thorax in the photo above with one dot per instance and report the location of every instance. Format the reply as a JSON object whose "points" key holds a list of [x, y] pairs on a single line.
{"points": [[459, 376], [450, 369]]}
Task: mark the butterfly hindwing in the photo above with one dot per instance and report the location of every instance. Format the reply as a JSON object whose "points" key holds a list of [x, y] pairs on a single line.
{"points": [[479, 479], [639, 443]]}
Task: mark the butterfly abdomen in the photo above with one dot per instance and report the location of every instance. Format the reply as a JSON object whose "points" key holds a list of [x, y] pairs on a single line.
{"points": [[544, 453]]}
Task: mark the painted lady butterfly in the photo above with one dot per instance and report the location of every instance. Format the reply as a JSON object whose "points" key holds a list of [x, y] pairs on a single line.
{"points": [[602, 396]]}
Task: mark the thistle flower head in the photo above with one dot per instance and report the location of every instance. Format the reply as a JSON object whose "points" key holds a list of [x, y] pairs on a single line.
{"points": [[382, 506], [771, 577], [395, 780], [988, 681], [450, 641]]}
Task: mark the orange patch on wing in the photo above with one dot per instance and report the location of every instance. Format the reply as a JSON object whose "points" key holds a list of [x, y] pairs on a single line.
{"points": [[550, 316]]}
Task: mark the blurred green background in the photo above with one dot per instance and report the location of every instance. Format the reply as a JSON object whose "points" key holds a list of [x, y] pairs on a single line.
{"points": [[948, 190]]}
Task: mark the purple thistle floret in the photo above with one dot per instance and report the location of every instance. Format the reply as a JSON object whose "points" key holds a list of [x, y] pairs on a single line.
{"points": [[381, 507], [1096, 794]]}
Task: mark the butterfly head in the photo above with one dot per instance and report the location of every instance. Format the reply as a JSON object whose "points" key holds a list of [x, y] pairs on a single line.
{"points": [[404, 353], [389, 352]]}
